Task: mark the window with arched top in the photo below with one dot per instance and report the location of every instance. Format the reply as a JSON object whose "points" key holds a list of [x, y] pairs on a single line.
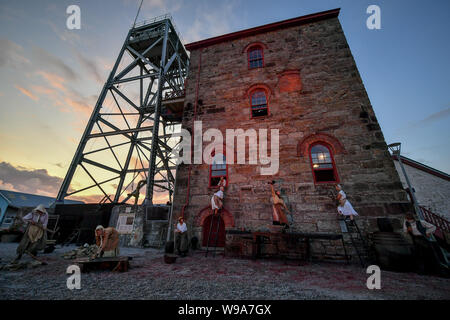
{"points": [[322, 163], [258, 101], [218, 169], [255, 55]]}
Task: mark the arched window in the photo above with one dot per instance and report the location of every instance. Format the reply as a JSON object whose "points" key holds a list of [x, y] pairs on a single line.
{"points": [[255, 56], [217, 170], [258, 101], [322, 162]]}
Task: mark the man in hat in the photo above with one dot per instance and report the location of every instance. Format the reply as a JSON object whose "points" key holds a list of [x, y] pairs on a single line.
{"points": [[107, 240], [35, 236], [427, 254], [181, 237]]}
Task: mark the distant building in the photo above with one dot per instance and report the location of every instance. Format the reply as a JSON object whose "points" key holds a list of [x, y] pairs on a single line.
{"points": [[432, 187], [11, 202]]}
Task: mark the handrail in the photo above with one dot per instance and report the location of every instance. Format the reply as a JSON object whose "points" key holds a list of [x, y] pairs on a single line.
{"points": [[435, 219], [167, 16]]}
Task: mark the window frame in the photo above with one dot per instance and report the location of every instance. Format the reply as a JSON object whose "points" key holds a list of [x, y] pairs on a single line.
{"points": [[251, 103], [333, 163], [253, 47], [210, 172]]}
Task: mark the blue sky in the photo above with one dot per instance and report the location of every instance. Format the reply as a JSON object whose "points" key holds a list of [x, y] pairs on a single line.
{"points": [[50, 76]]}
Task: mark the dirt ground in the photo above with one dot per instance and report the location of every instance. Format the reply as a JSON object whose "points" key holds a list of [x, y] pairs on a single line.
{"points": [[197, 277]]}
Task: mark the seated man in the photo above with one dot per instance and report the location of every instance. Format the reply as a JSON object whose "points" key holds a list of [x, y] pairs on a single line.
{"points": [[35, 236], [181, 238], [107, 240], [426, 250]]}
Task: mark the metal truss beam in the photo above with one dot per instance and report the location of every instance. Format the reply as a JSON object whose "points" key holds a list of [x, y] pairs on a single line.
{"points": [[130, 106]]}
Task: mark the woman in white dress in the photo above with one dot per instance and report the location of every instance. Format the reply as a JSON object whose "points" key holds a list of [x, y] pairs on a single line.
{"points": [[217, 198], [344, 208]]}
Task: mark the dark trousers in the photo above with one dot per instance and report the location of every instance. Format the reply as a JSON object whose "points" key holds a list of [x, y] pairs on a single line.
{"points": [[181, 242], [426, 255]]}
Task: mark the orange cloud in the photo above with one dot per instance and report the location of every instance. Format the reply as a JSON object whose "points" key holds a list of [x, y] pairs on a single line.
{"points": [[28, 93], [43, 90], [79, 105], [54, 80]]}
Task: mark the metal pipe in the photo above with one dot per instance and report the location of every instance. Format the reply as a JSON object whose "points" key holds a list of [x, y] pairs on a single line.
{"points": [[192, 138], [416, 204]]}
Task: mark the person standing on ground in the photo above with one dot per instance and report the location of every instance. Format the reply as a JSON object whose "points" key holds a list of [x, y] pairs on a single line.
{"points": [[35, 236]]}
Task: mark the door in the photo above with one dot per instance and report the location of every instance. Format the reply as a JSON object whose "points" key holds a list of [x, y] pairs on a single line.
{"points": [[212, 238]]}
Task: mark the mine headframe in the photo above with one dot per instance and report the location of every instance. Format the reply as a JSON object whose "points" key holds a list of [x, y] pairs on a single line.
{"points": [[128, 138]]}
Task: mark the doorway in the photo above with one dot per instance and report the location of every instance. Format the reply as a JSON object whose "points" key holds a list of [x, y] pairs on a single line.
{"points": [[221, 234]]}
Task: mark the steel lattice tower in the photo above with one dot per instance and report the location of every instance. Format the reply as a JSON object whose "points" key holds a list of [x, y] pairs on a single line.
{"points": [[145, 92]]}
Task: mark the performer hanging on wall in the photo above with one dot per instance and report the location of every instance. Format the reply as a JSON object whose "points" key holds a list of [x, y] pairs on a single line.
{"points": [[279, 208], [217, 198], [344, 208]]}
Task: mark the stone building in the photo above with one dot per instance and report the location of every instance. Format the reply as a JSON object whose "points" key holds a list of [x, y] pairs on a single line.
{"points": [[432, 187], [297, 76]]}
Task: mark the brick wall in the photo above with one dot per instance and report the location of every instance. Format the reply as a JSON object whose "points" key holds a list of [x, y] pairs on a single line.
{"points": [[315, 94]]}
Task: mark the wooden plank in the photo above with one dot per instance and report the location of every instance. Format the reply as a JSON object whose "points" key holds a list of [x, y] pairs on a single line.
{"points": [[108, 263]]}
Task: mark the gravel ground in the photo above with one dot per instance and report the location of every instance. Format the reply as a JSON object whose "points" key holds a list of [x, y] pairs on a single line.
{"points": [[197, 277]]}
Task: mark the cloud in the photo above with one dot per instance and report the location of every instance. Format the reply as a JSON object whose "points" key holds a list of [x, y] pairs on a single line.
{"points": [[78, 105], [69, 100], [210, 22], [54, 80], [433, 118], [35, 181], [64, 34], [11, 54], [44, 58], [90, 66], [28, 93]]}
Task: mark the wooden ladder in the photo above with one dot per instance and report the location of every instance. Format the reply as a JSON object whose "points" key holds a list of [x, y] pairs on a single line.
{"points": [[216, 233]]}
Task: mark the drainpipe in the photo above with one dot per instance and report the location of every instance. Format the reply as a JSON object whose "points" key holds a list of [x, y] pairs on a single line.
{"points": [[192, 137]]}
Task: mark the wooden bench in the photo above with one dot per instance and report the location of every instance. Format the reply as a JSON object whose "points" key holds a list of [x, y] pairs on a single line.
{"points": [[109, 263]]}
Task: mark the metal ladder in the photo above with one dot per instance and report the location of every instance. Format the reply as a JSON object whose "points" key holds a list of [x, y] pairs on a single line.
{"points": [[215, 233], [357, 240]]}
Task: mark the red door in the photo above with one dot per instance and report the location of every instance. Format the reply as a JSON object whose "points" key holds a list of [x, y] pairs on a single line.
{"points": [[212, 238]]}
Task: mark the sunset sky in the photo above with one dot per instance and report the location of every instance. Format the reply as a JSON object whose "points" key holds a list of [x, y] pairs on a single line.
{"points": [[50, 76]]}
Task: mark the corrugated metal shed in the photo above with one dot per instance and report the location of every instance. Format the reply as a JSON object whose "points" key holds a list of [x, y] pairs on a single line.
{"points": [[20, 199]]}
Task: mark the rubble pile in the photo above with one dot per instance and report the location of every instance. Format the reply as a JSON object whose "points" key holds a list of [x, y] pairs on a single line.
{"points": [[81, 252]]}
